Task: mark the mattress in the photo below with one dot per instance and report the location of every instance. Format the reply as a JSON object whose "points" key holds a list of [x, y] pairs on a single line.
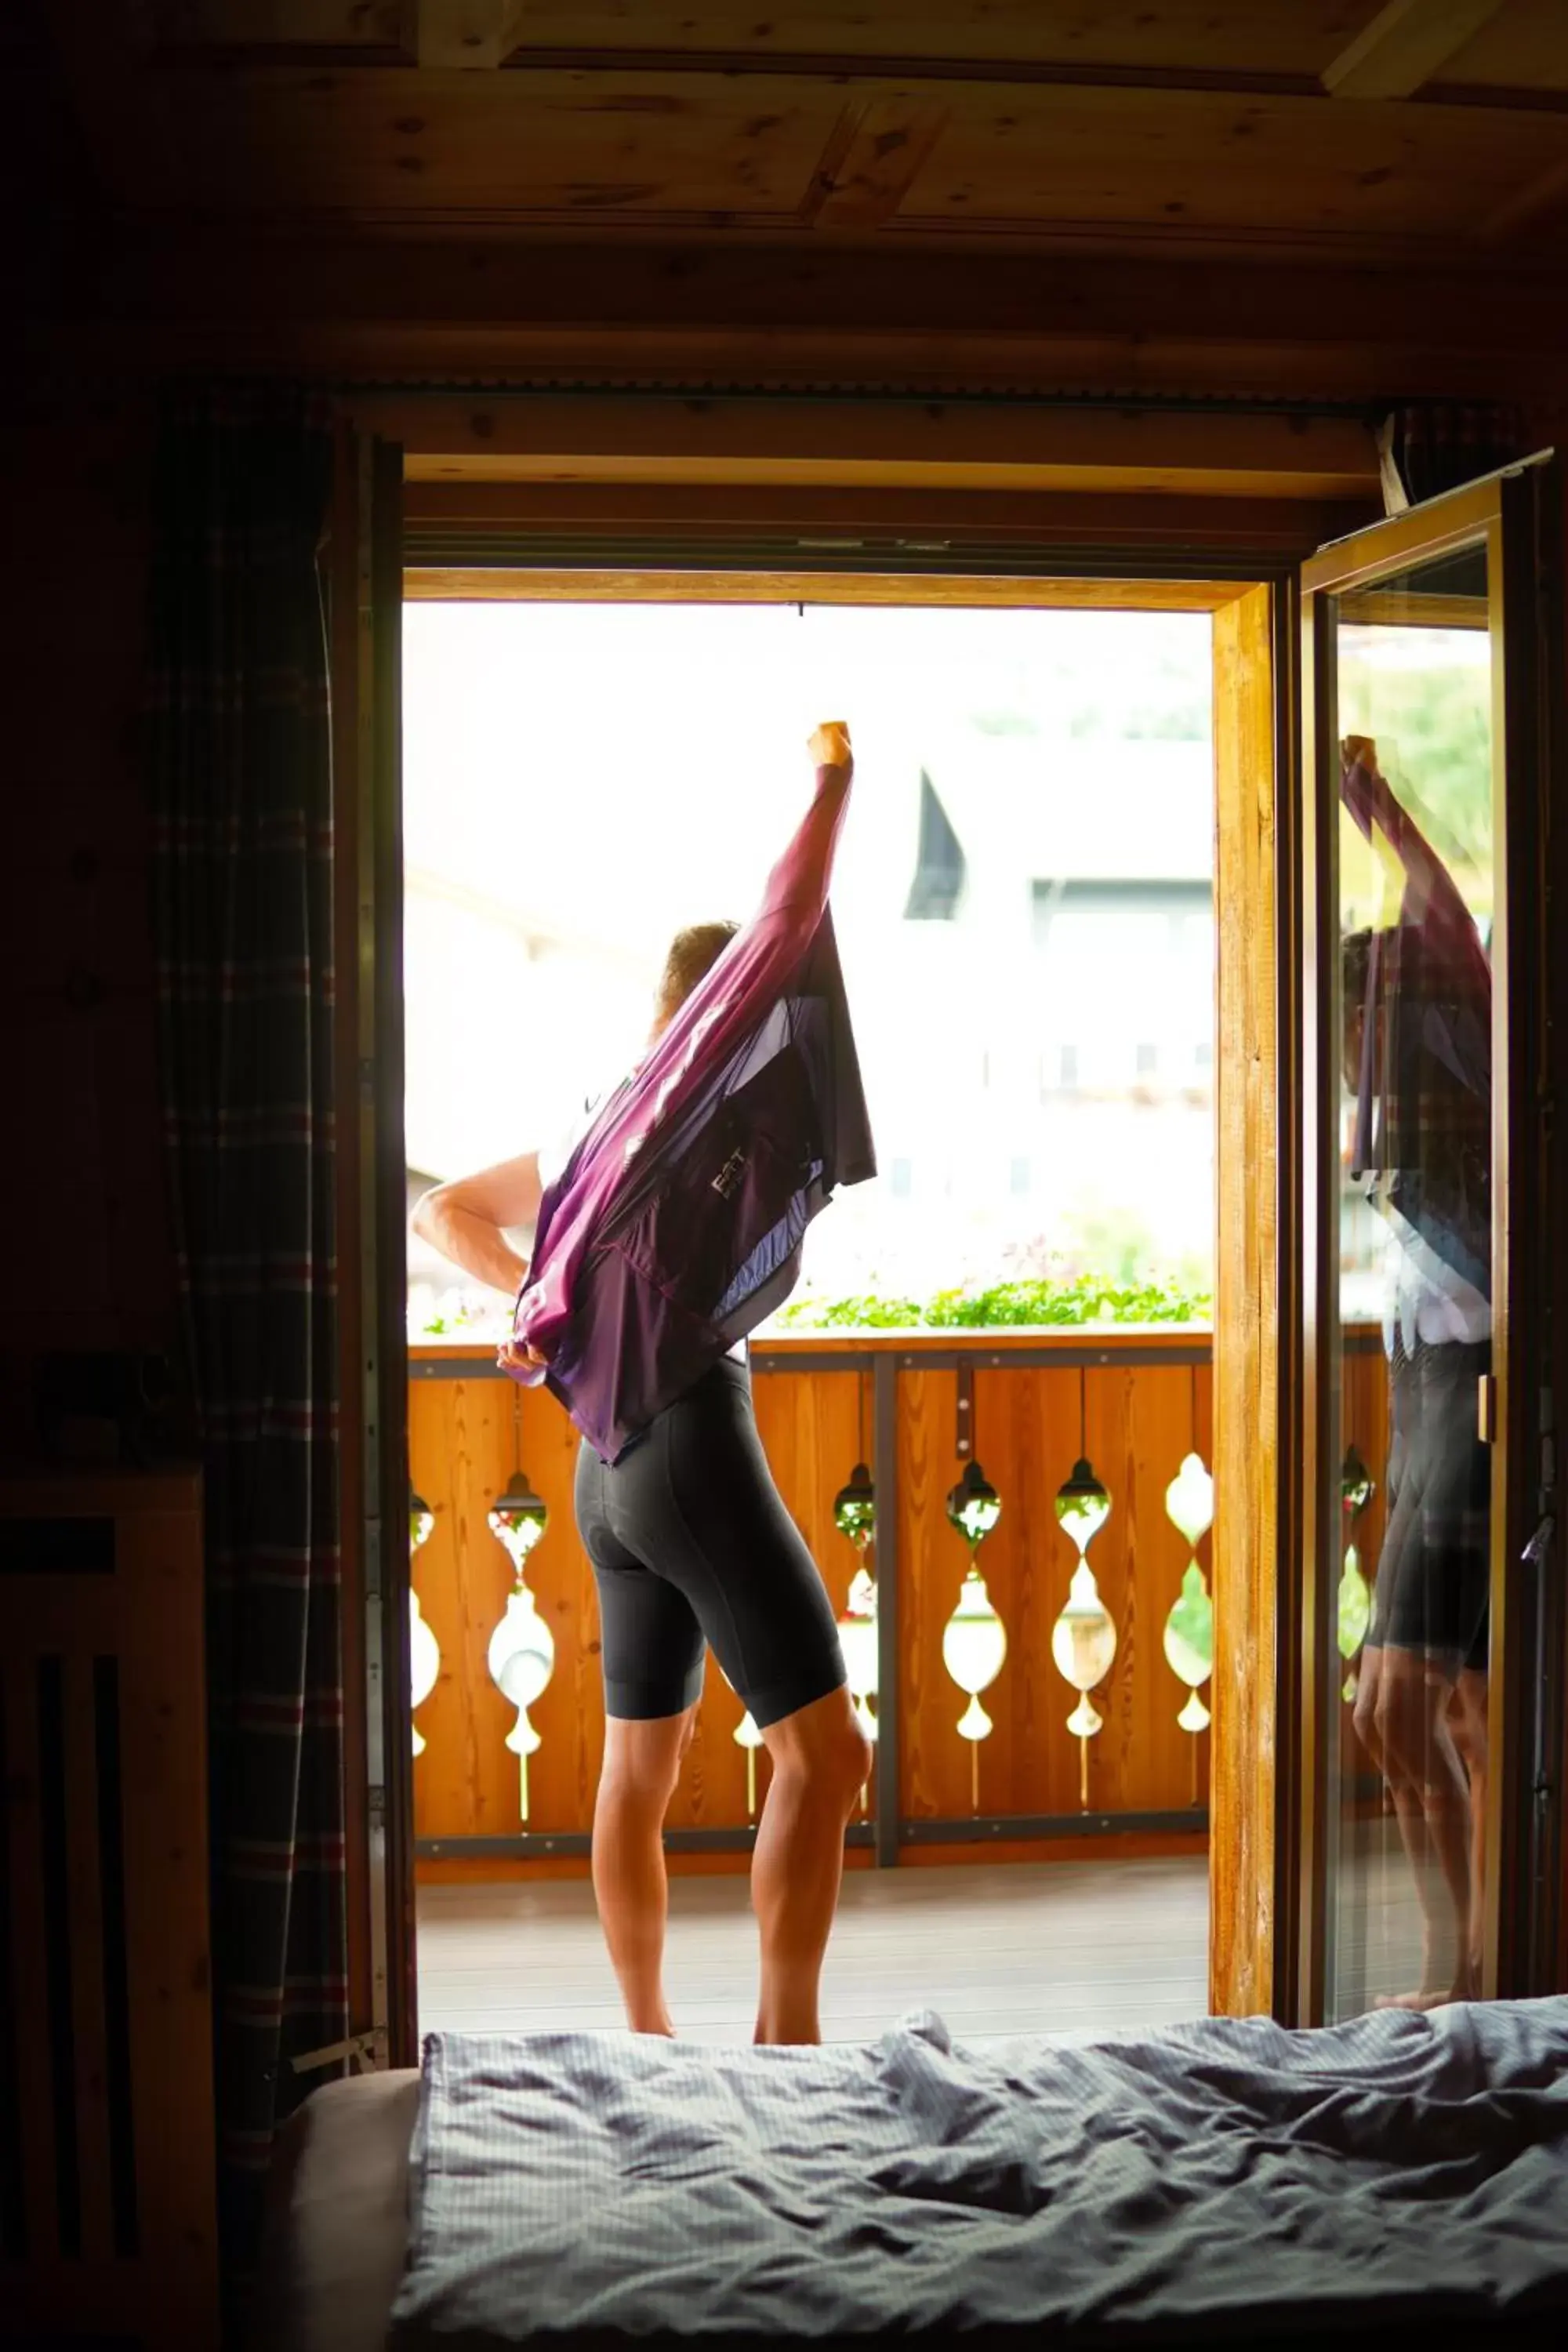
{"points": [[1225, 2181], [336, 2241]]}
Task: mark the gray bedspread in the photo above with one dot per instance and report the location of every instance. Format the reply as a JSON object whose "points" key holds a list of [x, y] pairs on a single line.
{"points": [[1223, 2171]]}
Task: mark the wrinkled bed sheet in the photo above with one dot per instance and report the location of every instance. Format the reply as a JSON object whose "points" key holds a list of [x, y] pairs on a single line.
{"points": [[1226, 2170]]}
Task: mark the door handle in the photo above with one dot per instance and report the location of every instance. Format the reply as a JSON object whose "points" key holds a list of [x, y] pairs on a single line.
{"points": [[1486, 1408]]}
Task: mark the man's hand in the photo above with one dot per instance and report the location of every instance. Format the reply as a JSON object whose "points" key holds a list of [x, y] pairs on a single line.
{"points": [[829, 745], [515, 1356]]}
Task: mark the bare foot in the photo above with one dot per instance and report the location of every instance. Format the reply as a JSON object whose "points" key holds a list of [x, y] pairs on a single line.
{"points": [[1431, 1997]]}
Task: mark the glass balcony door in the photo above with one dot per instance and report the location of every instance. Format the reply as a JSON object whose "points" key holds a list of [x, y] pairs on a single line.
{"points": [[1421, 1829]]}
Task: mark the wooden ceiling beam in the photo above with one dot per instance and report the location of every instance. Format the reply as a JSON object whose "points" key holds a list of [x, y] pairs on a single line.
{"points": [[860, 445], [686, 315], [848, 66], [1236, 52], [512, 291], [1404, 45], [465, 35], [612, 512], [538, 584]]}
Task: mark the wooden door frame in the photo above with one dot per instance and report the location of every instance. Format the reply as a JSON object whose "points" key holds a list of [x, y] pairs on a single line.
{"points": [[1257, 1326], [363, 571], [1517, 527], [1247, 581]]}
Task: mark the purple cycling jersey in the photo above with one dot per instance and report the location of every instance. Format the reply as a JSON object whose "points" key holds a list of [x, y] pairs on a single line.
{"points": [[1423, 1132], [675, 1225]]}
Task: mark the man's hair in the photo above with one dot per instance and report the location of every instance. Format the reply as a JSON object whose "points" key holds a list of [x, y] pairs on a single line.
{"points": [[693, 952]]}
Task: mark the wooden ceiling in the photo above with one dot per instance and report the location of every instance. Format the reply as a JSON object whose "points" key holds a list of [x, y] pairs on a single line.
{"points": [[1263, 198], [1317, 130]]}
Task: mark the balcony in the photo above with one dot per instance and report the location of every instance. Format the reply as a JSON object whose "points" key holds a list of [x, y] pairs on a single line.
{"points": [[1115, 1820], [1135, 1403]]}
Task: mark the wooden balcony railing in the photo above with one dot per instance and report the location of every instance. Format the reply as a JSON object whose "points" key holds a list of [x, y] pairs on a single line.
{"points": [[1138, 1403]]}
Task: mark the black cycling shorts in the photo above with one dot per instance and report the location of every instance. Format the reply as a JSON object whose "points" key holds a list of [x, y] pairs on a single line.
{"points": [[1435, 1572], [691, 1546]]}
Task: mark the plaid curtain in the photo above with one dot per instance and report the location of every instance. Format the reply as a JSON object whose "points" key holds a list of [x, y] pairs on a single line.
{"points": [[241, 787], [1430, 446]]}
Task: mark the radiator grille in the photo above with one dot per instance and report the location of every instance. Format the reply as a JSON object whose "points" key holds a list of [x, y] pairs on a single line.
{"points": [[106, 2187]]}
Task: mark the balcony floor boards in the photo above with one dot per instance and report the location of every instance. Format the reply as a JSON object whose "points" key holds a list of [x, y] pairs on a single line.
{"points": [[995, 1948]]}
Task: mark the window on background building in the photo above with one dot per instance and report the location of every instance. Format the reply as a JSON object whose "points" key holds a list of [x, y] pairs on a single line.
{"points": [[1118, 951]]}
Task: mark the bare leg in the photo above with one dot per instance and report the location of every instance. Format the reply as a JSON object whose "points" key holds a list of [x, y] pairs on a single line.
{"points": [[1431, 1801], [1368, 1692], [1414, 1832], [1467, 1718], [637, 1781], [821, 1758]]}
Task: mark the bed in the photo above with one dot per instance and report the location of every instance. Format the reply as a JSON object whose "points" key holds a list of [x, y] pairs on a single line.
{"points": [[1225, 2182]]}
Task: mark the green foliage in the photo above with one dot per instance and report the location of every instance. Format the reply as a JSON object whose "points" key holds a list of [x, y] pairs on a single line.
{"points": [[1190, 1625], [457, 1315], [869, 1313], [1088, 1298], [1354, 1605], [1433, 728], [1005, 722]]}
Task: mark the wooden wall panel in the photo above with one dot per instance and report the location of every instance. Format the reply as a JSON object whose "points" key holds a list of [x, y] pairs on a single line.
{"points": [[75, 953], [105, 1835]]}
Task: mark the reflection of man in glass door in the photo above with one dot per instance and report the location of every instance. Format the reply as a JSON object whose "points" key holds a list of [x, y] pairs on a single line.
{"points": [[1417, 998]]}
